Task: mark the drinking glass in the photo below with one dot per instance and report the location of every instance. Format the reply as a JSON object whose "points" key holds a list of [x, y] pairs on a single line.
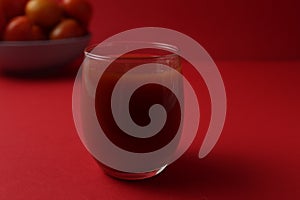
{"points": [[127, 107]]}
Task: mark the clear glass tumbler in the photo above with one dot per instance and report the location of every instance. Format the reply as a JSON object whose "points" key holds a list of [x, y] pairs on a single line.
{"points": [[127, 107]]}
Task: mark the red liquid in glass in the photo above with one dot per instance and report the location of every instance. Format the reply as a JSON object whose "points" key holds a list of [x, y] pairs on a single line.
{"points": [[141, 101]]}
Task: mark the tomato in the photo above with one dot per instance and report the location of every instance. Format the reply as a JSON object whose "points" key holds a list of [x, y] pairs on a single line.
{"points": [[37, 33], [18, 29], [67, 28], [13, 8], [21, 28], [2, 22], [78, 9], [45, 13]]}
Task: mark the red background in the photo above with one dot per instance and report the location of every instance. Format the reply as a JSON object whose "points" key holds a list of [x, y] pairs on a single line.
{"points": [[233, 29], [256, 47]]}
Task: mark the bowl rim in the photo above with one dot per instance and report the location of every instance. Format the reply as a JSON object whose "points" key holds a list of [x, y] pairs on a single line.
{"points": [[44, 42]]}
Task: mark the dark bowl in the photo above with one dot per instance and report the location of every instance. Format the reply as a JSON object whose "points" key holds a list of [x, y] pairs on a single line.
{"points": [[39, 55]]}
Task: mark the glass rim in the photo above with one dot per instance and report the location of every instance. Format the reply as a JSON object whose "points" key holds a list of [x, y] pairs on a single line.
{"points": [[169, 49]]}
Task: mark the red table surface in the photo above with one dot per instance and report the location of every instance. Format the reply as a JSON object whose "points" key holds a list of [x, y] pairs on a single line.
{"points": [[257, 156]]}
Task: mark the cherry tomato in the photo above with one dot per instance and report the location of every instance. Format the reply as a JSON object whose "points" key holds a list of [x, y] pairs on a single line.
{"points": [[37, 33], [78, 9], [18, 29], [45, 13], [13, 8], [2, 22], [21, 28], [67, 28]]}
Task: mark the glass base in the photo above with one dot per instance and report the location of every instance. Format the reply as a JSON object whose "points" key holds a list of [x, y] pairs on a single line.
{"points": [[130, 176]]}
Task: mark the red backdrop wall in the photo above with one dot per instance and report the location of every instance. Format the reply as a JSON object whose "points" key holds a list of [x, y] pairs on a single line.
{"points": [[233, 29]]}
